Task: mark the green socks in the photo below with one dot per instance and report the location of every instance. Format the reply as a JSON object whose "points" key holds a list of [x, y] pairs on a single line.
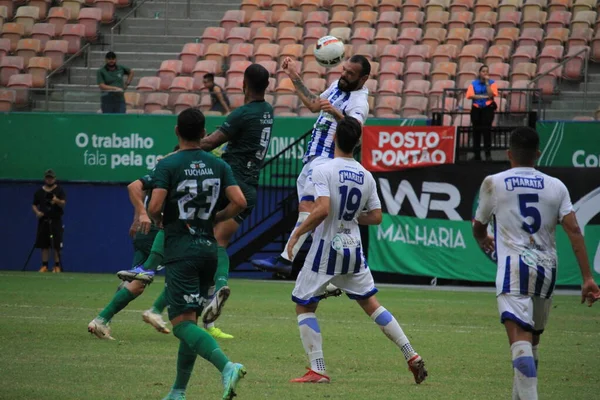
{"points": [[222, 273], [185, 365], [118, 302], [160, 303], [201, 342], [156, 253]]}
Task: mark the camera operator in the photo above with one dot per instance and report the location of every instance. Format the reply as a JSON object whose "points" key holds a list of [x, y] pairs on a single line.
{"points": [[48, 205]]}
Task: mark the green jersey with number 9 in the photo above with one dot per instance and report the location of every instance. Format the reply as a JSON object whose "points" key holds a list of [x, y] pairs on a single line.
{"points": [[248, 130], [195, 181]]}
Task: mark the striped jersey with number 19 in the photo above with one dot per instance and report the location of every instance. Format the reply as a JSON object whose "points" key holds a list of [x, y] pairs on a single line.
{"points": [[336, 247], [525, 206]]}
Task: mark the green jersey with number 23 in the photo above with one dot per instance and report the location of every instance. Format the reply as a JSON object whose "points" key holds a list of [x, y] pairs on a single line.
{"points": [[195, 181], [248, 130]]}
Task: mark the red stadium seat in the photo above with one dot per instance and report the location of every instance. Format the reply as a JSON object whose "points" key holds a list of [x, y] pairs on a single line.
{"points": [[460, 19], [482, 36], [411, 19], [108, 8], [179, 84], [90, 18], [316, 19], [250, 6], [437, 19], [551, 54], [485, 20], [388, 105], [238, 35], [43, 33], [368, 51], [443, 71], [523, 72], [285, 103], [73, 34], [13, 32], [189, 56], [392, 52], [59, 16], [365, 5], [444, 53], [232, 19], [549, 82], [240, 52], [510, 19], [388, 19], [498, 53], [212, 35], [573, 69], [21, 83], [530, 37], [56, 51], [10, 66], [28, 48], [468, 73], [392, 70], [458, 37], [556, 37], [418, 53], [558, 19], [414, 105], [264, 35], [364, 19], [341, 19], [416, 71], [499, 71], [384, 37], [409, 37], [470, 53], [266, 52], [417, 87], [155, 102], [309, 6], [313, 70], [185, 101], [168, 70], [312, 35], [507, 37], [438, 87], [290, 35], [391, 87], [524, 54], [485, 6], [217, 52], [362, 36], [294, 51]]}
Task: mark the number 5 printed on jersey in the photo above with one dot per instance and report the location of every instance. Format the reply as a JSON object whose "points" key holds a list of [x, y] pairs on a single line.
{"points": [[529, 211]]}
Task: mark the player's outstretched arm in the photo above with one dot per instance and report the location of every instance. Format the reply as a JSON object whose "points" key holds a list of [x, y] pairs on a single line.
{"points": [[156, 205], [373, 217], [310, 100], [237, 204], [589, 290], [213, 140]]}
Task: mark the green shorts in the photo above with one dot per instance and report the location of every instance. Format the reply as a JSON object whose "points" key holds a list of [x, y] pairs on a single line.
{"points": [[188, 283], [250, 194], [144, 244]]}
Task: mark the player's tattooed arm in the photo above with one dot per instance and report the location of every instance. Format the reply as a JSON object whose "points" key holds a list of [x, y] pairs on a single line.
{"points": [[310, 100]]}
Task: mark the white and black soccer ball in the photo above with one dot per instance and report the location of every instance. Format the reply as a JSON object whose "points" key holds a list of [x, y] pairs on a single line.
{"points": [[329, 51]]}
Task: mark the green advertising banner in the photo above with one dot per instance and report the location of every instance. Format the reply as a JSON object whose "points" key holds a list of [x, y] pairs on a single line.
{"points": [[117, 148], [426, 228], [569, 144]]}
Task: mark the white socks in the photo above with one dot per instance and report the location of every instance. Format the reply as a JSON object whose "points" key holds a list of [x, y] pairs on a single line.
{"points": [[525, 371], [310, 334], [301, 218], [393, 331]]}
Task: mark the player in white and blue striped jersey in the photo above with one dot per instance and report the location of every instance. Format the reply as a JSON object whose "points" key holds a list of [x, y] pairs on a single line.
{"points": [[345, 97], [346, 196], [525, 205]]}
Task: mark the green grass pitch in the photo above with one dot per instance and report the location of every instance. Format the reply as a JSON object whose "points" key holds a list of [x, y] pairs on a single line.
{"points": [[46, 352]]}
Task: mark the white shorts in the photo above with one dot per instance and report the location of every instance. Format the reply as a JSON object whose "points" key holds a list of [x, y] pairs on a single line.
{"points": [[304, 184], [310, 285], [530, 313]]}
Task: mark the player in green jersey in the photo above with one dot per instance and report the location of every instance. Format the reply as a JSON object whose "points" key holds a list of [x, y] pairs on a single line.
{"points": [[188, 187], [247, 132]]}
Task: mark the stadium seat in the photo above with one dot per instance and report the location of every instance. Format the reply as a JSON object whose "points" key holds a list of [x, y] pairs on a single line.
{"points": [[270, 66], [559, 5], [250, 6], [365, 5], [281, 74], [371, 85], [418, 70], [392, 87], [573, 69], [463, 120], [185, 101], [217, 52], [434, 37], [387, 105], [418, 53], [433, 6], [259, 19], [123, 3], [550, 54], [202, 68], [238, 35], [485, 20], [362, 36], [534, 19], [6, 11], [289, 19], [294, 51], [498, 53], [437, 19], [312, 35], [443, 71], [392, 52], [510, 19], [178, 85], [530, 37], [341, 5], [439, 87], [132, 100], [460, 19], [316, 19], [523, 72], [499, 71], [507, 37], [232, 19], [595, 47], [313, 70], [388, 19], [28, 48], [519, 99], [461, 6], [59, 16], [523, 54], [374, 70], [549, 82], [414, 105], [168, 70], [333, 74], [161, 112], [369, 51], [341, 19], [444, 53], [583, 5], [213, 35], [482, 36], [240, 52], [27, 16], [364, 19], [74, 6], [558, 19], [285, 103], [485, 6], [21, 83], [290, 35], [470, 53], [73, 34], [391, 70], [279, 7], [412, 6], [285, 86], [4, 47], [507, 6], [7, 99], [580, 37], [266, 52], [556, 37], [90, 18], [446, 105], [234, 84], [409, 37], [458, 37], [189, 56], [56, 51], [342, 34], [13, 32], [316, 85], [148, 84], [417, 87], [309, 6], [384, 37], [9, 66], [155, 101], [108, 8], [532, 6], [468, 73], [583, 19], [411, 19]]}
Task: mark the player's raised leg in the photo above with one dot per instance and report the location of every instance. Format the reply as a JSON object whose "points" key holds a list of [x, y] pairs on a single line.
{"points": [[145, 271]]}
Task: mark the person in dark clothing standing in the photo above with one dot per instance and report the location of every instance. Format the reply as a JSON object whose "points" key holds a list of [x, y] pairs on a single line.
{"points": [[110, 79], [482, 91], [219, 99], [48, 205]]}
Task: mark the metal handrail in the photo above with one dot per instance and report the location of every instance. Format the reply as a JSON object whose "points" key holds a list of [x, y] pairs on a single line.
{"points": [[112, 29], [585, 50], [62, 68]]}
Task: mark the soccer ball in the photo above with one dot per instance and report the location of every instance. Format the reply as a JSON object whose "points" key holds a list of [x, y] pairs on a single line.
{"points": [[329, 51]]}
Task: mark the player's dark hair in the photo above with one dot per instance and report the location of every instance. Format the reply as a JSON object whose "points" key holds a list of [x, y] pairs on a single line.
{"points": [[347, 134], [257, 78], [364, 64], [190, 124], [110, 55], [209, 76], [524, 145]]}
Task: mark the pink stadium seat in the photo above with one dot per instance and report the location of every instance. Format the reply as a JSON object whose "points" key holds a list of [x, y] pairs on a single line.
{"points": [[362, 36], [595, 47], [43, 33], [438, 87], [266, 52], [189, 56], [518, 100], [458, 37], [524, 54], [391, 87], [460, 19], [238, 35], [168, 70], [4, 47], [485, 20], [485, 5], [27, 49], [155, 101], [56, 51], [313, 70], [7, 99], [59, 16], [470, 53], [279, 7], [202, 68], [285, 86], [507, 6], [10, 66], [447, 105], [412, 6], [549, 82], [73, 34], [523, 72], [467, 73], [580, 37], [8, 9], [391, 71], [437, 19], [312, 35], [289, 19], [309, 6], [573, 69], [21, 83], [434, 37], [281, 74], [27, 16], [411, 19], [443, 71], [534, 19], [237, 68], [364, 19], [250, 6], [132, 100], [74, 6], [341, 19], [384, 37], [392, 52], [179, 84], [417, 87], [185, 101], [482, 36], [510, 19], [444, 53], [532, 6], [414, 105], [371, 85], [367, 50], [341, 5], [436, 5], [270, 66], [418, 53], [285, 103], [294, 51], [507, 37], [461, 5], [365, 5], [558, 19], [388, 105], [90, 18], [551, 54], [530, 37], [240, 52], [234, 84], [108, 8], [316, 85], [409, 37], [212, 35], [259, 19], [498, 53], [217, 52], [583, 19], [416, 71], [148, 84], [499, 71], [290, 35], [232, 19], [334, 74], [388, 19], [556, 37], [13, 32], [316, 19], [342, 34]]}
